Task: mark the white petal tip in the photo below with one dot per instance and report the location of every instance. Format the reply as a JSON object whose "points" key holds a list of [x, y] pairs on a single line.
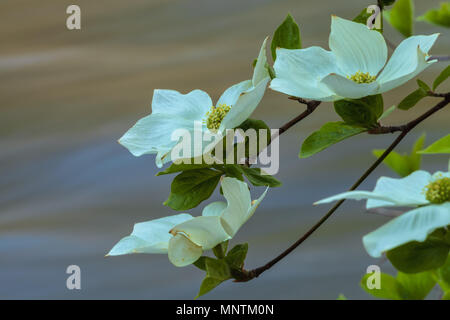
{"points": [[110, 253]]}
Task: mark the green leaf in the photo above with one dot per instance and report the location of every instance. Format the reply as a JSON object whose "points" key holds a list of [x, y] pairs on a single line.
{"points": [[360, 112], [220, 250], [236, 256], [362, 17], [341, 297], [222, 269], [201, 262], [404, 287], [207, 285], [190, 188], [415, 256], [416, 285], [329, 134], [440, 146], [415, 159], [401, 17], [442, 77], [403, 164], [217, 269], [443, 275], [412, 99], [440, 17], [396, 162], [286, 36], [389, 287], [233, 171], [255, 124], [376, 104], [255, 176]]}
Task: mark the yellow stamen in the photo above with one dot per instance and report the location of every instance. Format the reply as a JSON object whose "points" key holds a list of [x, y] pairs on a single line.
{"points": [[360, 77], [216, 115], [438, 191]]}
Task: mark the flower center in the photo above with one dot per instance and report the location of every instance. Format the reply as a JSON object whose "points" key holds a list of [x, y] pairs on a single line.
{"points": [[216, 115], [360, 77], [438, 191]]}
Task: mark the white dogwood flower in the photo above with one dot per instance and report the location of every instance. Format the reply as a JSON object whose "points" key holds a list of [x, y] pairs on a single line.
{"points": [[173, 111], [184, 237], [430, 194], [354, 68]]}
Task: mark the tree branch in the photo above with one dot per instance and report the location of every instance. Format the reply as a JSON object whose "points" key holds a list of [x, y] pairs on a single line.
{"points": [[405, 129], [413, 123], [439, 58]]}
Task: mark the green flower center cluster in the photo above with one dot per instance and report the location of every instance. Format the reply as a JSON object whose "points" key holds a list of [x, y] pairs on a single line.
{"points": [[438, 191], [360, 77], [216, 115]]}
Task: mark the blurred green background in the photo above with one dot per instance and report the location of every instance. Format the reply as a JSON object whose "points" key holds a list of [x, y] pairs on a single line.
{"points": [[69, 191]]}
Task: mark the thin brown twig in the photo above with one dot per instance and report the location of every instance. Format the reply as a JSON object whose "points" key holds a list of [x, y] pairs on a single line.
{"points": [[439, 58], [438, 95], [311, 105]]}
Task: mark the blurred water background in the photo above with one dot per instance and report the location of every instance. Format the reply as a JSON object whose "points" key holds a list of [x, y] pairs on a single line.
{"points": [[69, 191]]}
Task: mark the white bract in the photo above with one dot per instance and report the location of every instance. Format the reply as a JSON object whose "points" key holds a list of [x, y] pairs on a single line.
{"points": [[430, 194], [173, 111], [354, 68], [184, 237]]}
